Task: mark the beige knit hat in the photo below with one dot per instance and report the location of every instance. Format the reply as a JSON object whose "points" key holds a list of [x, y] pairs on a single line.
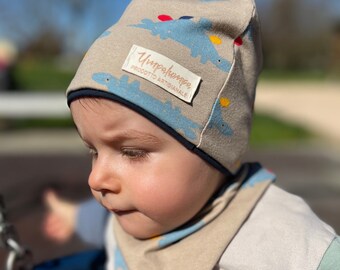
{"points": [[190, 67]]}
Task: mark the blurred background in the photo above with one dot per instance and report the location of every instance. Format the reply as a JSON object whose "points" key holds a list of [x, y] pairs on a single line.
{"points": [[296, 130]]}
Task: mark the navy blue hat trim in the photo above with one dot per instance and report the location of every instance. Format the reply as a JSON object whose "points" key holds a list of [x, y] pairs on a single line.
{"points": [[86, 92]]}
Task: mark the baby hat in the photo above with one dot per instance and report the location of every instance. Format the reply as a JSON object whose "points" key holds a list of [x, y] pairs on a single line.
{"points": [[188, 66]]}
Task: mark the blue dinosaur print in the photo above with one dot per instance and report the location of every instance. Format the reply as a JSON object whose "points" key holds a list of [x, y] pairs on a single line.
{"points": [[177, 235], [216, 120], [105, 34], [164, 111], [192, 35], [120, 263], [259, 177]]}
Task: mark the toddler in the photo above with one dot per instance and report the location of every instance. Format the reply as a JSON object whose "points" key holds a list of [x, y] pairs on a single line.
{"points": [[164, 101]]}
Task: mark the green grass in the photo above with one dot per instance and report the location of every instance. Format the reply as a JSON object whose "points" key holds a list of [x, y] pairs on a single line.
{"points": [[41, 74], [269, 131]]}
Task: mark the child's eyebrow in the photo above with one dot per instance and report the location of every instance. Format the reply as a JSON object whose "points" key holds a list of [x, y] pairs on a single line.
{"points": [[132, 134]]}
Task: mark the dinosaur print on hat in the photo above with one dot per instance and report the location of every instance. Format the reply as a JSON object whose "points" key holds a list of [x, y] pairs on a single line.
{"points": [[216, 118], [165, 111], [189, 33]]}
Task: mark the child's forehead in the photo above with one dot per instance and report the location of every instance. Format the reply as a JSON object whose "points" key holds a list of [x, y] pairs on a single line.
{"points": [[97, 103], [103, 108], [116, 118]]}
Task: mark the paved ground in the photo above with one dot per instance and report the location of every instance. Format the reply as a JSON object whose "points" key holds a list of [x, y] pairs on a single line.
{"points": [[314, 105], [30, 161]]}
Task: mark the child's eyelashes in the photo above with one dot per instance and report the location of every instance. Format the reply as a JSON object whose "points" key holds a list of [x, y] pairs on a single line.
{"points": [[134, 153]]}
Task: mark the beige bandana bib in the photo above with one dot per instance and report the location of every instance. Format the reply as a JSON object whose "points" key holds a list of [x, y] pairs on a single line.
{"points": [[200, 243]]}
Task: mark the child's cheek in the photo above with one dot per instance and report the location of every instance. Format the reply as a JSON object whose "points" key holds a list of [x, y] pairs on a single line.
{"points": [[159, 198]]}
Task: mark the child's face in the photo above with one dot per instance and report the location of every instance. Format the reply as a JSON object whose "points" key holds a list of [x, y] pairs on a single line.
{"points": [[144, 176]]}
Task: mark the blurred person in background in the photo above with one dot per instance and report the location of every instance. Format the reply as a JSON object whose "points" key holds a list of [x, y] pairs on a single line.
{"points": [[8, 57], [65, 218]]}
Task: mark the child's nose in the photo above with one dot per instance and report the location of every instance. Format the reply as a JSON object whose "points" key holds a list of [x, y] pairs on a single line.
{"points": [[103, 178]]}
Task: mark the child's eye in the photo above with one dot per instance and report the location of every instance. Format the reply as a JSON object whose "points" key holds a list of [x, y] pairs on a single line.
{"points": [[134, 154]]}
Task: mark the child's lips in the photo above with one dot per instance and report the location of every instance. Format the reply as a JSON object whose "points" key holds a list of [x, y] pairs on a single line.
{"points": [[121, 212]]}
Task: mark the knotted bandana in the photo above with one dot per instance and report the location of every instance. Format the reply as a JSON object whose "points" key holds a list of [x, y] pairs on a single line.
{"points": [[200, 243]]}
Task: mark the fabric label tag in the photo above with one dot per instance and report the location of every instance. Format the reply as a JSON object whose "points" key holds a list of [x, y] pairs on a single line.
{"points": [[163, 72]]}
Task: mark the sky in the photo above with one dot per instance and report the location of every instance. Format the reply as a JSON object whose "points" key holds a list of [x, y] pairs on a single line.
{"points": [[21, 20]]}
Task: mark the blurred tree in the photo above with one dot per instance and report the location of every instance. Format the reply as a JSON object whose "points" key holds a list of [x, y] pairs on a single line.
{"points": [[47, 43], [334, 63], [44, 26], [53, 35], [296, 34], [33, 25], [74, 23]]}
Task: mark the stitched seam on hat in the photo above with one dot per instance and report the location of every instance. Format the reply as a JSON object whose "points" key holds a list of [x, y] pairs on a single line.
{"points": [[226, 81], [218, 96]]}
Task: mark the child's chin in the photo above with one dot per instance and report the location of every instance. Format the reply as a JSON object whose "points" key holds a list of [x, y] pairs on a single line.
{"points": [[140, 233], [141, 226]]}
